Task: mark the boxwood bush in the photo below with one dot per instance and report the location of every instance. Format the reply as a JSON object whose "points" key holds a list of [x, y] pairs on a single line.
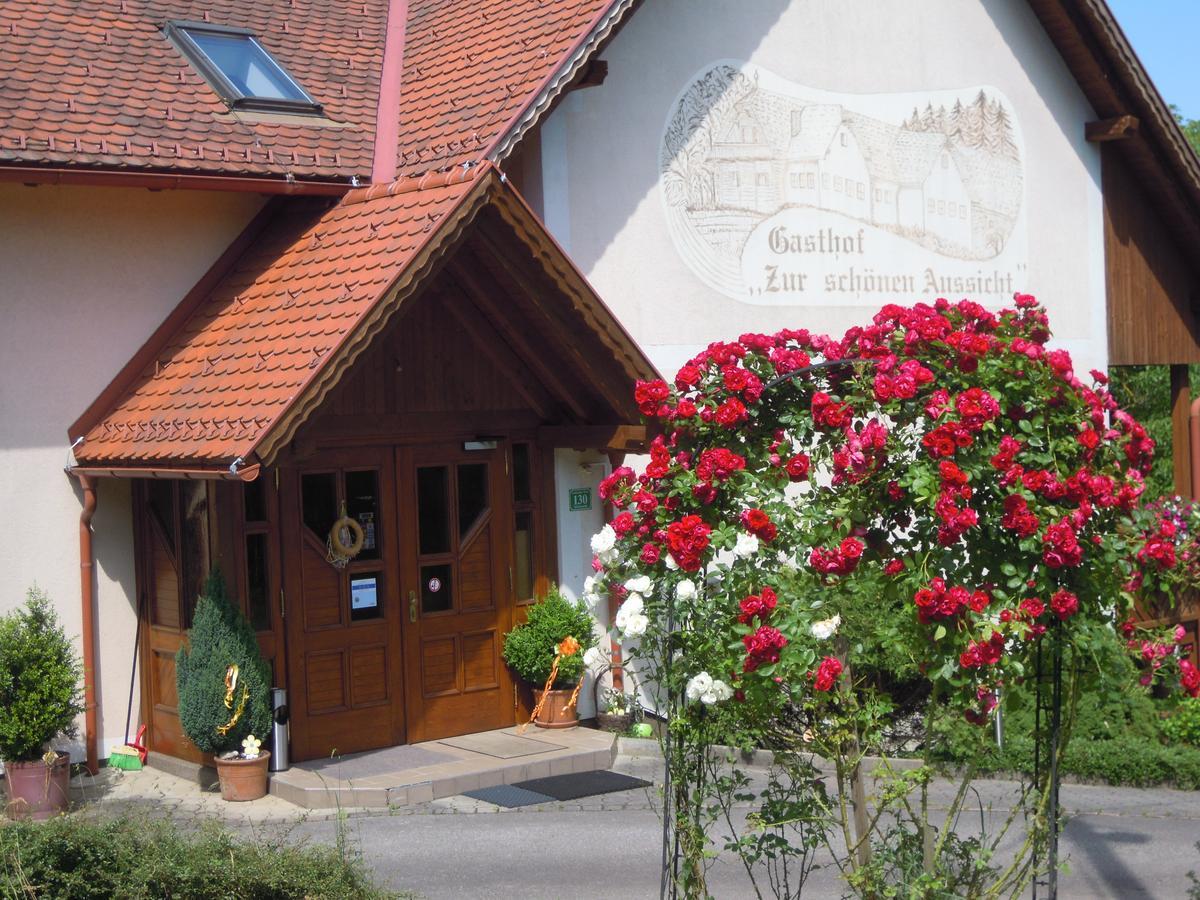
{"points": [[529, 648], [39, 680], [72, 859]]}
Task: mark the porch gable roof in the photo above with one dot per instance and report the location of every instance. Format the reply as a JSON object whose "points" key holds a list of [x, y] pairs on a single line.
{"points": [[232, 374]]}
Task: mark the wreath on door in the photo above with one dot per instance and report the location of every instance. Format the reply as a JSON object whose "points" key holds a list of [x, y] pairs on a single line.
{"points": [[345, 540]]}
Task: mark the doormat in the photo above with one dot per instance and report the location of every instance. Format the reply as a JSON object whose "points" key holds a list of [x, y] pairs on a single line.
{"points": [[582, 784], [375, 762], [501, 745], [556, 787]]}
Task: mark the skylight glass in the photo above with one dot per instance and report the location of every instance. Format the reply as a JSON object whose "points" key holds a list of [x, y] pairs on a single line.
{"points": [[240, 68]]}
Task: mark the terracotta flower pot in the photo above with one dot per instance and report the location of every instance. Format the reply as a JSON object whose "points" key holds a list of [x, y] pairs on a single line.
{"points": [[555, 713], [243, 779], [36, 790]]}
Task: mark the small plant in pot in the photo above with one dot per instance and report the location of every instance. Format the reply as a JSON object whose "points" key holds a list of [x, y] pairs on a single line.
{"points": [[546, 651], [39, 701], [224, 689]]}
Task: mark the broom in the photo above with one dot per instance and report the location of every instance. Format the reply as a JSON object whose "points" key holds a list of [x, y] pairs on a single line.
{"points": [[131, 755]]}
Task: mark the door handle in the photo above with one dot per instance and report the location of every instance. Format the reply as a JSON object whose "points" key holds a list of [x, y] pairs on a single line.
{"points": [[412, 606]]}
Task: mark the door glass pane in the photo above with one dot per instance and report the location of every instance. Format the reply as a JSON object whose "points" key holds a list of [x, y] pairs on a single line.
{"points": [[318, 497], [362, 505], [161, 495], [437, 588], [523, 570], [472, 495], [366, 597], [522, 476], [256, 582], [433, 509], [193, 496], [255, 493]]}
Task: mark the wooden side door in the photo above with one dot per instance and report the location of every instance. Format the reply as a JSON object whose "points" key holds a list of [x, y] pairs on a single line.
{"points": [[172, 520], [343, 624], [456, 519]]}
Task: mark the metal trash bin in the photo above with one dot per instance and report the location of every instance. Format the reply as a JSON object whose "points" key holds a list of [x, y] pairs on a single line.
{"points": [[279, 730]]}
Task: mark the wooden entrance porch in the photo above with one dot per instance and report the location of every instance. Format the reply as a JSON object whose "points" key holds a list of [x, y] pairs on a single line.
{"points": [[436, 434]]}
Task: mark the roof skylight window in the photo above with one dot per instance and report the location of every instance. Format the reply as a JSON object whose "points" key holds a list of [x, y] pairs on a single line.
{"points": [[239, 68]]}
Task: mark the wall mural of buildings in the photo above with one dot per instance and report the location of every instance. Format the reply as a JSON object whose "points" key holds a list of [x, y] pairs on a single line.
{"points": [[748, 159]]}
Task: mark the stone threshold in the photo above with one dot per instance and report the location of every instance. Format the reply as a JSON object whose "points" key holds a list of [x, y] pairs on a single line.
{"points": [[578, 749]]}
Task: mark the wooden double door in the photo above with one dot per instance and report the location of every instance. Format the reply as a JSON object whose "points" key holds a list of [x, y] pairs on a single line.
{"points": [[402, 643]]}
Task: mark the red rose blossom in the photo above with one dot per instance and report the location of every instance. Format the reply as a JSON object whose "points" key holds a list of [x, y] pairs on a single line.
{"points": [[827, 673]]}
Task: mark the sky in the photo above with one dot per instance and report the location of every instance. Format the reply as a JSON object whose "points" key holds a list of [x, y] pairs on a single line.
{"points": [[1165, 34]]}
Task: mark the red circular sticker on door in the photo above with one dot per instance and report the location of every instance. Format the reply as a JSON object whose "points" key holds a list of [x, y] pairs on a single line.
{"points": [[435, 585]]}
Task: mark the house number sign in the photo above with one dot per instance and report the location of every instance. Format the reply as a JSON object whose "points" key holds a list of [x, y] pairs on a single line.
{"points": [[580, 499]]}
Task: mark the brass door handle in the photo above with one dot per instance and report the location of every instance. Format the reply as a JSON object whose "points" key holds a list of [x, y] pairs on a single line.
{"points": [[412, 606]]}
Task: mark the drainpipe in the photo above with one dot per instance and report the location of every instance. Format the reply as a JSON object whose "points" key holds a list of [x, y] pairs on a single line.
{"points": [[88, 601], [1194, 447]]}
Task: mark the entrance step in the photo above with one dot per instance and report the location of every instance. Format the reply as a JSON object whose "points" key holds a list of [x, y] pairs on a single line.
{"points": [[419, 773]]}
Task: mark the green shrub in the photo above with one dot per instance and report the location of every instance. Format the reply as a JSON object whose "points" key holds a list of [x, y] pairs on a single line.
{"points": [[1183, 725], [1115, 737], [39, 680], [70, 859], [221, 637], [529, 648]]}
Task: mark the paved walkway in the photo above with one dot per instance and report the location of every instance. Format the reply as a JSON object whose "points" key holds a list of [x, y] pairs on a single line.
{"points": [[1119, 842]]}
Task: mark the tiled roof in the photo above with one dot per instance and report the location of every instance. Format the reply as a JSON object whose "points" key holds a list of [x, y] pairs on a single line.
{"points": [[267, 330], [95, 83], [470, 68]]}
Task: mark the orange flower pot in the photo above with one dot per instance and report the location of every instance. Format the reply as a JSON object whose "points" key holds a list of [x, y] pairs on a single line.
{"points": [[555, 712], [243, 779]]}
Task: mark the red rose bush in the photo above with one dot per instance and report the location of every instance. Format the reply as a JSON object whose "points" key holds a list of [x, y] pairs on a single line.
{"points": [[938, 485]]}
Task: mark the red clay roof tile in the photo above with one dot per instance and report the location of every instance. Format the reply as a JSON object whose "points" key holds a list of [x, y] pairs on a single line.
{"points": [[95, 83], [250, 349]]}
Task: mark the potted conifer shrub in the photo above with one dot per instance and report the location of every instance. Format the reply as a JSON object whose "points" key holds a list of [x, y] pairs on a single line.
{"points": [[546, 651], [224, 689], [39, 700]]}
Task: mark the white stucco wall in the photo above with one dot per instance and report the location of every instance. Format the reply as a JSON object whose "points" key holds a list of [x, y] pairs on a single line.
{"points": [[86, 274], [607, 144], [575, 470]]}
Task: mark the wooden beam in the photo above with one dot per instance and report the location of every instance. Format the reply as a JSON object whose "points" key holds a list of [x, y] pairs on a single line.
{"points": [[502, 358], [1114, 129], [469, 283], [553, 315], [619, 438], [1181, 444]]}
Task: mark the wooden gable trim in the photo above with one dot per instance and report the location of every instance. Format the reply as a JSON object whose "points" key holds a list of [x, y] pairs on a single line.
{"points": [[507, 363], [478, 296], [427, 261], [1114, 82], [554, 261], [521, 273]]}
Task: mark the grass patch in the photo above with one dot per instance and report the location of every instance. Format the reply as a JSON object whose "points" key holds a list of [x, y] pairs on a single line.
{"points": [[72, 859]]}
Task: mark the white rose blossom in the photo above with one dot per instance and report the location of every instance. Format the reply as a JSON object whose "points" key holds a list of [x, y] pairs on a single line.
{"points": [[630, 620], [685, 590], [636, 625], [707, 690], [603, 543], [826, 628], [639, 585], [669, 562], [746, 546], [593, 658], [697, 685]]}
